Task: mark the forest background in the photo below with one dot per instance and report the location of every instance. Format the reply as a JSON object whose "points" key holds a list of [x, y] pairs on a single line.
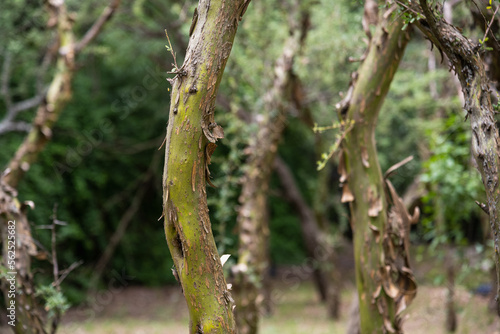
{"points": [[103, 166]]}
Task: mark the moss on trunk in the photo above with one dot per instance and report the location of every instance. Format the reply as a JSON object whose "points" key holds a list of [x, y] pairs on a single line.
{"points": [[190, 141], [364, 185]]}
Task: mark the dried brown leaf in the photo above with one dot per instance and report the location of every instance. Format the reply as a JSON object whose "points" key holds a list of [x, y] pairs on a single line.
{"points": [[347, 195], [341, 168], [365, 157]]}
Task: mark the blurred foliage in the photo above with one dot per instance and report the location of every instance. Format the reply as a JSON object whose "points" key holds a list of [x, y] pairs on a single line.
{"points": [[452, 178], [55, 302], [106, 138]]}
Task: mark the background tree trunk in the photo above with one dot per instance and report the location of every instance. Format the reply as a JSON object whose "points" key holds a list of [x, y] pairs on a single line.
{"points": [[326, 277], [317, 246], [363, 184], [252, 218], [190, 142], [465, 59], [30, 315]]}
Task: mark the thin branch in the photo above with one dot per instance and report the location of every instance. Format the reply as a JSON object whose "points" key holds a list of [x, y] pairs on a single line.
{"points": [[489, 25], [28, 104], [55, 265], [67, 271], [97, 26], [8, 126], [408, 8]]}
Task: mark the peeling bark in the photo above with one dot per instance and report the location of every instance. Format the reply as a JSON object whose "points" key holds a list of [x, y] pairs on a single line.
{"points": [[465, 60], [384, 281], [252, 219], [29, 313], [190, 141]]}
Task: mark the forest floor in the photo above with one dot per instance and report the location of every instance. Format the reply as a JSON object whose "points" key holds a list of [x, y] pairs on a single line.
{"points": [[297, 310], [138, 310]]}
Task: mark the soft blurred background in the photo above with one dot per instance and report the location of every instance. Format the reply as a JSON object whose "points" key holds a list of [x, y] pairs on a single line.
{"points": [[103, 166]]}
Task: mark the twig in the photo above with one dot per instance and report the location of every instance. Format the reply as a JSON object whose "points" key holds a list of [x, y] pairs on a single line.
{"points": [[491, 22], [173, 54], [408, 8], [96, 27], [55, 265], [67, 271], [8, 124]]}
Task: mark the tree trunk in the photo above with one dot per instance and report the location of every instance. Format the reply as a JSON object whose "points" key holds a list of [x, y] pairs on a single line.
{"points": [[363, 185], [451, 315], [326, 277], [353, 323], [465, 59], [252, 219], [18, 286], [29, 314], [317, 247], [190, 141]]}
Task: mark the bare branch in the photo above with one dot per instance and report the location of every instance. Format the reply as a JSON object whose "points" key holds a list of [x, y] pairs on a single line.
{"points": [[9, 126], [68, 270], [489, 25], [97, 26], [28, 104]]}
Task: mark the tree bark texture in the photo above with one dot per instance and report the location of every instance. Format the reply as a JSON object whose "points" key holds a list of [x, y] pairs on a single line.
{"points": [[30, 318], [252, 217], [190, 141], [465, 60], [385, 286]]}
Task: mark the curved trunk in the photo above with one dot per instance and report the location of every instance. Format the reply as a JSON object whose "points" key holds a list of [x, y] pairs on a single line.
{"points": [[30, 317], [363, 184], [465, 59], [190, 141], [252, 217]]}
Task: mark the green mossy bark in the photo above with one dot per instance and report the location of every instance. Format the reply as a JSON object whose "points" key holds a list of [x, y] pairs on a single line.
{"points": [[191, 134], [364, 176]]}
